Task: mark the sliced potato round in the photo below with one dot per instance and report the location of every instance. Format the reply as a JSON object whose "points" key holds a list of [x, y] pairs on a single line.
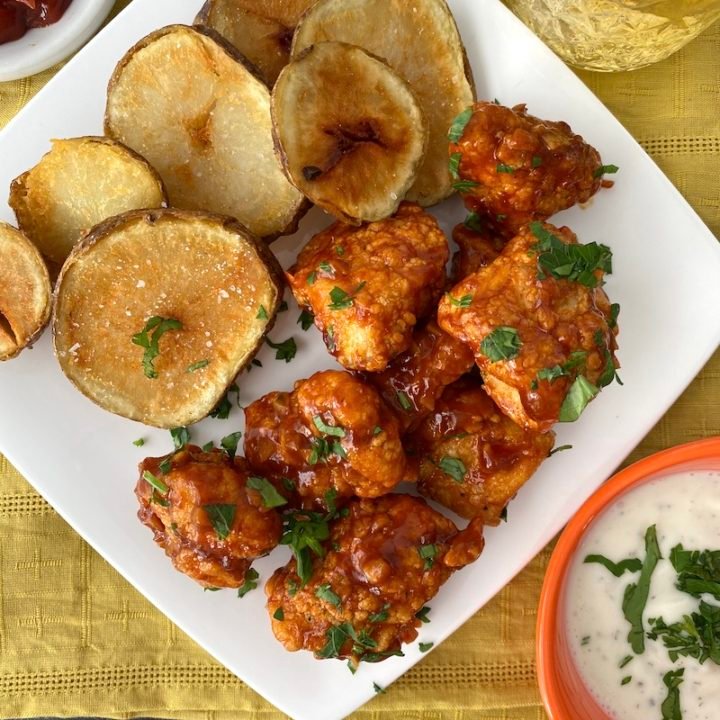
{"points": [[261, 30], [25, 293], [421, 42], [189, 104], [157, 311], [348, 131], [76, 185]]}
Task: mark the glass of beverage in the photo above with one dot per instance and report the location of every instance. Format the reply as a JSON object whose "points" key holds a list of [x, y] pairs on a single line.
{"points": [[612, 35]]}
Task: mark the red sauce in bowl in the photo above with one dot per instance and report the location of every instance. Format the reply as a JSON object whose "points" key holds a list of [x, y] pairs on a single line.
{"points": [[17, 16]]}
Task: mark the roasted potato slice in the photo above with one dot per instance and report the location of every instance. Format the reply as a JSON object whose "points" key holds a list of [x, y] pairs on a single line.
{"points": [[202, 280], [79, 183], [188, 103], [348, 131], [25, 293], [421, 42], [261, 30]]}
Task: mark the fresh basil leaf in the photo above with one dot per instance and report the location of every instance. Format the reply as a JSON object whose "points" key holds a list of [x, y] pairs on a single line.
{"points": [[250, 582], [286, 350], [581, 392], [324, 592]]}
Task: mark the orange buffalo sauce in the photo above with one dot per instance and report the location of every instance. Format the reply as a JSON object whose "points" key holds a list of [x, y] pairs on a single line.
{"points": [[17, 16]]}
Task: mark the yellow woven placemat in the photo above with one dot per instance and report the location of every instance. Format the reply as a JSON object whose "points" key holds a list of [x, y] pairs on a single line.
{"points": [[76, 639]]}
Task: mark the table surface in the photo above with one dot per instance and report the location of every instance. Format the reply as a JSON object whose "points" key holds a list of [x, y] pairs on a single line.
{"points": [[76, 639]]}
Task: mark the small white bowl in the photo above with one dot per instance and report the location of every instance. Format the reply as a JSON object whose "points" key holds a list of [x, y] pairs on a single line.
{"points": [[41, 48]]}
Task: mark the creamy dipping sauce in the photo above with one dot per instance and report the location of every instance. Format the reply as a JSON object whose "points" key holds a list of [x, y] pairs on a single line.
{"points": [[685, 508]]}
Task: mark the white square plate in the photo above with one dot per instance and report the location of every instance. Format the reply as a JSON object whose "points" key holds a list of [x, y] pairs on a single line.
{"points": [[667, 279]]}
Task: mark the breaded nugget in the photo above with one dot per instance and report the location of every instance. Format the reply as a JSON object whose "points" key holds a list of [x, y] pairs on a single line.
{"points": [[368, 286], [476, 250]]}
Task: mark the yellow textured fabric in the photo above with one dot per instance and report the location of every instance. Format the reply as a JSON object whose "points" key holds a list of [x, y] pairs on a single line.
{"points": [[76, 639]]}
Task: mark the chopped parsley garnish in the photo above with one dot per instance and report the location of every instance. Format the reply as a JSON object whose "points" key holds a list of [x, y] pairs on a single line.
{"points": [[222, 516], [165, 465], [311, 278], [330, 497], [342, 300], [670, 707], [222, 409], [262, 313], [581, 392], [279, 614], [326, 267], [464, 185], [208, 446], [210, 589], [458, 125], [626, 680], [159, 499], [473, 222], [503, 168], [404, 400], [338, 635], [159, 326], [422, 614], [254, 362], [306, 320], [377, 430], [325, 593], [573, 262], [536, 161], [139, 442], [230, 443], [463, 302], [575, 359], [288, 484], [605, 170], [378, 689], [585, 640], [199, 365], [617, 569], [270, 496], [303, 532], [285, 350], [454, 467], [425, 646], [697, 635], [698, 572], [334, 430], [636, 594], [339, 250], [454, 165], [625, 661], [561, 448], [180, 437], [321, 449], [503, 343], [380, 616], [428, 553], [155, 482], [250, 583], [614, 312]]}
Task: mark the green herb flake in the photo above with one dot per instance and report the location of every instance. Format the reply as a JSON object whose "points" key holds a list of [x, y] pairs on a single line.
{"points": [[279, 614], [262, 313], [304, 532], [428, 553], [330, 338], [585, 640], [537, 161], [625, 661], [614, 313], [221, 517], [311, 278], [306, 320], [636, 594], [210, 589], [324, 592], [222, 410], [377, 430], [378, 690], [626, 680], [561, 448], [351, 666], [631, 565], [292, 587], [404, 400], [151, 342], [165, 465], [230, 443], [159, 499], [463, 302], [270, 496], [285, 350], [697, 635], [464, 185], [698, 571], [342, 300], [503, 168], [473, 222], [199, 365], [250, 582], [503, 343], [139, 442], [333, 430], [339, 250], [327, 268], [454, 467], [208, 446], [670, 707], [581, 392], [425, 646], [605, 170], [180, 437], [422, 614], [380, 616], [454, 165], [155, 482], [458, 125]]}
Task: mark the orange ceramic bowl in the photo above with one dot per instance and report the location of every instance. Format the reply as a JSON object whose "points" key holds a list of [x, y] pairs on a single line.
{"points": [[563, 691]]}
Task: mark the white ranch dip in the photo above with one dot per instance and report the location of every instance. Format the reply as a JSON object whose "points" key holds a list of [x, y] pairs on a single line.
{"points": [[685, 508]]}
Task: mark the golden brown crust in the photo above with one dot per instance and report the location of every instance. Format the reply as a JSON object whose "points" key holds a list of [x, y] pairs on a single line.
{"points": [[394, 271], [182, 523], [374, 568], [497, 457]]}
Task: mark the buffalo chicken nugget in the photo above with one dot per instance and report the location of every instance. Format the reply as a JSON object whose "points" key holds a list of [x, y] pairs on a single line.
{"points": [[541, 327], [477, 248], [512, 167], [368, 286], [474, 459], [330, 439], [415, 379], [204, 515], [382, 562]]}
